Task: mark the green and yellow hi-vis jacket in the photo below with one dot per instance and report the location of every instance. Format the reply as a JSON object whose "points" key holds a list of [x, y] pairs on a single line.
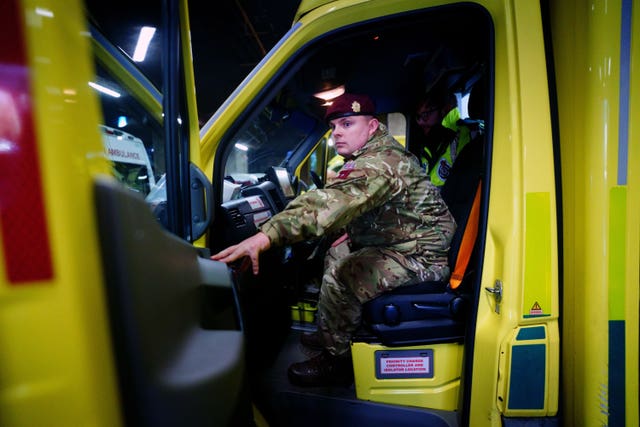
{"points": [[465, 132]]}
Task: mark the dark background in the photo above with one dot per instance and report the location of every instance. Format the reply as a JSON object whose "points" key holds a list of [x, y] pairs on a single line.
{"points": [[229, 38]]}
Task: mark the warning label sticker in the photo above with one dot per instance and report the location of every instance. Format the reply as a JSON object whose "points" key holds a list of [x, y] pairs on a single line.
{"points": [[260, 217], [536, 309], [404, 364], [255, 202]]}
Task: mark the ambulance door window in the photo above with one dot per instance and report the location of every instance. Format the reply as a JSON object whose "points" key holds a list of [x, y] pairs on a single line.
{"points": [[312, 171], [127, 83], [276, 136], [397, 125], [131, 135]]}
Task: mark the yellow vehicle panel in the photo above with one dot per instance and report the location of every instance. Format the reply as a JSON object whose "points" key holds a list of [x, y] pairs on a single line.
{"points": [[554, 333], [56, 355], [598, 113], [61, 363]]}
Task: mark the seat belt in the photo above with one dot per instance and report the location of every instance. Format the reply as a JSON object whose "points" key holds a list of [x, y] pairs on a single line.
{"points": [[468, 241]]}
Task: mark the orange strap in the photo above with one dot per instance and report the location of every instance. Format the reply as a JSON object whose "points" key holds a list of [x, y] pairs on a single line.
{"points": [[468, 240]]}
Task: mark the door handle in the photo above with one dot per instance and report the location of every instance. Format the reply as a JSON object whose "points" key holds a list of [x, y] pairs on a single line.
{"points": [[496, 291]]}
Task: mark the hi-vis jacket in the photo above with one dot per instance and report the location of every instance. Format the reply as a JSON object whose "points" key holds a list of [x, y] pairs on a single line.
{"points": [[463, 132]]}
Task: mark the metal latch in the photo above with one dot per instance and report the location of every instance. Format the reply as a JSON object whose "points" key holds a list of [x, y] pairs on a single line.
{"points": [[496, 291]]}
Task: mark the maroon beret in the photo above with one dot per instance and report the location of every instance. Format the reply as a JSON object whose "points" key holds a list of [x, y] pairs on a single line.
{"points": [[350, 104]]}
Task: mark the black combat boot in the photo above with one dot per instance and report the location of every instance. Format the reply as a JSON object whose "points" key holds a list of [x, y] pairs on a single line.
{"points": [[323, 370], [312, 341]]}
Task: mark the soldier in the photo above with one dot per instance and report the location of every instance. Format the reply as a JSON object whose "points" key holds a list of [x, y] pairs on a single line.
{"points": [[398, 232]]}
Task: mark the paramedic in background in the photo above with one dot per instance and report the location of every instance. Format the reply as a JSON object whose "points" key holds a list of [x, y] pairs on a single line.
{"points": [[445, 134], [398, 232]]}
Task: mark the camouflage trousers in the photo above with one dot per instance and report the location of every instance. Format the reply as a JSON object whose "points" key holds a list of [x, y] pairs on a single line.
{"points": [[353, 278]]}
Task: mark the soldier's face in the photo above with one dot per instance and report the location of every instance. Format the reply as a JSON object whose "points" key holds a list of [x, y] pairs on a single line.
{"points": [[352, 133]]}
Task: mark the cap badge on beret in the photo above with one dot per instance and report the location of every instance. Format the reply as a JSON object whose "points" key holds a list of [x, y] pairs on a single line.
{"points": [[350, 104]]}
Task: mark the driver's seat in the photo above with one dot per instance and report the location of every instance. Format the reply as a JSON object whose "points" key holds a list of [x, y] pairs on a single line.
{"points": [[433, 311]]}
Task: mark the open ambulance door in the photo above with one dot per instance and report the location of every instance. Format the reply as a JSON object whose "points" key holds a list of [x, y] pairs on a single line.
{"points": [[175, 326], [495, 360], [110, 314]]}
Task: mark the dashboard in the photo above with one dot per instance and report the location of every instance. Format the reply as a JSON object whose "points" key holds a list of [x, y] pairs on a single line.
{"points": [[255, 203]]}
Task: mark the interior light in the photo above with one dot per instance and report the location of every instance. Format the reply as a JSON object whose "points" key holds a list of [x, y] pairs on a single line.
{"points": [[146, 34], [241, 147], [327, 95], [122, 121], [47, 13], [104, 90]]}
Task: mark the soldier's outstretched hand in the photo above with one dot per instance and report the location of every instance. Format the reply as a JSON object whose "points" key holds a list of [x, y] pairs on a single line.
{"points": [[250, 247]]}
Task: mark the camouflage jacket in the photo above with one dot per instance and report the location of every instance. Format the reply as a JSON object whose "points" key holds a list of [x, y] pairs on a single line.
{"points": [[382, 197]]}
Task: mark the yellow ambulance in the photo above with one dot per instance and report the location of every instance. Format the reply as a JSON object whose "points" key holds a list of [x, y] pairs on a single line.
{"points": [[113, 314]]}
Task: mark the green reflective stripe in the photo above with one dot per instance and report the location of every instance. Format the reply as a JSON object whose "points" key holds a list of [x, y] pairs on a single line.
{"points": [[617, 251], [537, 271]]}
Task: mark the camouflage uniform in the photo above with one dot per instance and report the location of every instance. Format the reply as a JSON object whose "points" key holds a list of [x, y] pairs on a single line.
{"points": [[398, 225]]}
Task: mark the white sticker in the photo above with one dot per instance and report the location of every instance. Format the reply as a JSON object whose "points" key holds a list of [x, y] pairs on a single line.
{"points": [[404, 365], [255, 202], [260, 217]]}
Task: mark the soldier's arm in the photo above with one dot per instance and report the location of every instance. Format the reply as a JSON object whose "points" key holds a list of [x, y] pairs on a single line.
{"points": [[322, 212], [250, 247]]}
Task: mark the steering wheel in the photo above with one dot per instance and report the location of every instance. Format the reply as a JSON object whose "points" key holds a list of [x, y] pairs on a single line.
{"points": [[316, 179], [299, 185]]}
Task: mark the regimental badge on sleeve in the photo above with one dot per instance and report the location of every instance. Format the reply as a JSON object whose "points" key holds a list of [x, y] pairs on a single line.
{"points": [[346, 170]]}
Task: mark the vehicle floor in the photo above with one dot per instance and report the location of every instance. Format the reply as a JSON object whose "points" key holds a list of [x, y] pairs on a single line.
{"points": [[284, 404]]}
